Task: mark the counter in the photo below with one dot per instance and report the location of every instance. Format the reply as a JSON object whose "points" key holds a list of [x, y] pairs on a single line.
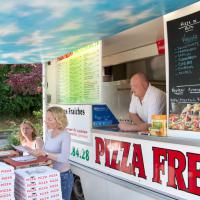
{"points": [[169, 166]]}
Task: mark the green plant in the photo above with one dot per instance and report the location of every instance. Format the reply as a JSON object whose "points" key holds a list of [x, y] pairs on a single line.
{"points": [[38, 122], [19, 94], [13, 138]]}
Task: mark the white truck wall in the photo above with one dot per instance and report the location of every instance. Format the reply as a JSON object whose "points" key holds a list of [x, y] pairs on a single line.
{"points": [[99, 186], [51, 82], [133, 44]]}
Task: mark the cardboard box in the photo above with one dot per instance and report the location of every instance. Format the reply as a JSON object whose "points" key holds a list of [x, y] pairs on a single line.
{"points": [[8, 153], [158, 125], [36, 183], [6, 169], [40, 161], [7, 179]]}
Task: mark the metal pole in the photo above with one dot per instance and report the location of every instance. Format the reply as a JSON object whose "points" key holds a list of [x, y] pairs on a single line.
{"points": [[44, 97]]}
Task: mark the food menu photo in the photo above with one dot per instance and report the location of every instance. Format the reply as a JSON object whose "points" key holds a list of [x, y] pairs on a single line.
{"points": [[187, 119]]}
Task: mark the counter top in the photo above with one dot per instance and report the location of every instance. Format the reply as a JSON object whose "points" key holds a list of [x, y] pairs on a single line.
{"points": [[167, 139]]}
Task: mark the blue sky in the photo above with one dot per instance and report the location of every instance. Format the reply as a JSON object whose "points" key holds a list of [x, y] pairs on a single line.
{"points": [[41, 30]]}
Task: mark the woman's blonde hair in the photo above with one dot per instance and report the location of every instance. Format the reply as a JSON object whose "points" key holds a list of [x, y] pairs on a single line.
{"points": [[34, 133], [60, 116]]}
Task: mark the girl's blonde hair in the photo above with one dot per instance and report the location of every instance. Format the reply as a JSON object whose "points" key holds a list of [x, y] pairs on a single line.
{"points": [[34, 133], [60, 116]]}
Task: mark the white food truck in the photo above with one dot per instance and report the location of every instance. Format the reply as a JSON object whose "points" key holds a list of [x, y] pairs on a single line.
{"points": [[91, 84]]}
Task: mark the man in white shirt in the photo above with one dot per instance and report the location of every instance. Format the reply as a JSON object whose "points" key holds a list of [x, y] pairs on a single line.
{"points": [[146, 101]]}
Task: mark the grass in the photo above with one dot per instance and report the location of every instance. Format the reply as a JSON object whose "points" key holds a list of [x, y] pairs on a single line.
{"points": [[6, 123]]}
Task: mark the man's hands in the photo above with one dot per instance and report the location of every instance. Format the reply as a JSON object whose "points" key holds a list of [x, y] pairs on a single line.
{"points": [[126, 127], [133, 127]]}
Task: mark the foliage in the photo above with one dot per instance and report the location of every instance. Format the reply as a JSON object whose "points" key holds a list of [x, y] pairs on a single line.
{"points": [[25, 79], [20, 87], [38, 122], [13, 138], [37, 114]]}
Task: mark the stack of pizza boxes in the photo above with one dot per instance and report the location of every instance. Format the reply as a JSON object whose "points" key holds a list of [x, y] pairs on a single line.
{"points": [[37, 183], [7, 181]]}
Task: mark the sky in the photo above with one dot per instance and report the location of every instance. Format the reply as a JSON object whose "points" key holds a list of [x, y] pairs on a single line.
{"points": [[41, 30]]}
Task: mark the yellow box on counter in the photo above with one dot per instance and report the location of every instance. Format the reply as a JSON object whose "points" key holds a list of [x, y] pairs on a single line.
{"points": [[158, 125]]}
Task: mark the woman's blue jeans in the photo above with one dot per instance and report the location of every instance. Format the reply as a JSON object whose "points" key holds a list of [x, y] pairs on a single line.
{"points": [[67, 181]]}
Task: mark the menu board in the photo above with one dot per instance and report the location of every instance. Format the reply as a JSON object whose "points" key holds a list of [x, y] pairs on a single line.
{"points": [[184, 72], [79, 76]]}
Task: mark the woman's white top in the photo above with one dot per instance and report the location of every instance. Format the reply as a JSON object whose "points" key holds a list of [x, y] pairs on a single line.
{"points": [[59, 145]]}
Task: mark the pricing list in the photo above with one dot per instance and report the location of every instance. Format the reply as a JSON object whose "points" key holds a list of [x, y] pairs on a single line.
{"points": [[184, 60], [184, 73], [79, 76]]}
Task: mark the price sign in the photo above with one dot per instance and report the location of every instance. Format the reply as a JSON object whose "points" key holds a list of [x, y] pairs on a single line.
{"points": [[81, 153]]}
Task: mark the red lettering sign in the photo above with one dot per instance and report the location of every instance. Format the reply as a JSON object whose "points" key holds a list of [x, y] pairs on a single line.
{"points": [[109, 150]]}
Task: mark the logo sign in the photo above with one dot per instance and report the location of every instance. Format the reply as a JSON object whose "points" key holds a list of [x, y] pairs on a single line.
{"points": [[172, 169], [161, 46], [79, 117], [188, 25], [79, 121]]}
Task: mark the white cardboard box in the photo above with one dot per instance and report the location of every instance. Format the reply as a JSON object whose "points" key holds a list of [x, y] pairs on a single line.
{"points": [[37, 183], [6, 169]]}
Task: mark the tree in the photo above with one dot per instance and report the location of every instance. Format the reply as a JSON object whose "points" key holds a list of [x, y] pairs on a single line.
{"points": [[20, 89], [25, 79]]}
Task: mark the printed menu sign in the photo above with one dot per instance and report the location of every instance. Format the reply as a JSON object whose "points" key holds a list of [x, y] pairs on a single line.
{"points": [[79, 76], [184, 72]]}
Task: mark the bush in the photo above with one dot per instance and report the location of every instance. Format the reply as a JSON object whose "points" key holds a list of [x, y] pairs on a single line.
{"points": [[19, 89], [38, 122], [13, 138]]}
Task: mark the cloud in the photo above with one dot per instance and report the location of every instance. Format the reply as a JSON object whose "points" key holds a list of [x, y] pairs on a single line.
{"points": [[40, 49], [9, 29], [145, 1], [3, 62], [8, 6], [57, 9], [24, 14], [21, 57], [143, 15], [15, 55], [2, 42], [72, 25], [125, 15], [36, 38], [32, 55], [72, 39]]}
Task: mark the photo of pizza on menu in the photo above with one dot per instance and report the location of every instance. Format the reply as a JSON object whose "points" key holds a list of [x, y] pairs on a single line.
{"points": [[188, 119]]}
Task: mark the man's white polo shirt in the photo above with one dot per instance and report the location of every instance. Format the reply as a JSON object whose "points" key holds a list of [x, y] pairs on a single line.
{"points": [[154, 102]]}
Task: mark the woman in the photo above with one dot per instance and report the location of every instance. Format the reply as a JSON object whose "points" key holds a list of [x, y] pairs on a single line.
{"points": [[57, 148], [28, 137]]}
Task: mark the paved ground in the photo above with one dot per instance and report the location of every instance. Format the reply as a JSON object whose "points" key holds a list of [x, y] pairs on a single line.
{"points": [[3, 143], [3, 139]]}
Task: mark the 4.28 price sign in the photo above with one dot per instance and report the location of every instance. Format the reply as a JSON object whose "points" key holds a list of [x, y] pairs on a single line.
{"points": [[80, 153]]}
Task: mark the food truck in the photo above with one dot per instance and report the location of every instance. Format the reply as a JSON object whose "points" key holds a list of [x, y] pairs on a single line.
{"points": [[91, 84]]}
